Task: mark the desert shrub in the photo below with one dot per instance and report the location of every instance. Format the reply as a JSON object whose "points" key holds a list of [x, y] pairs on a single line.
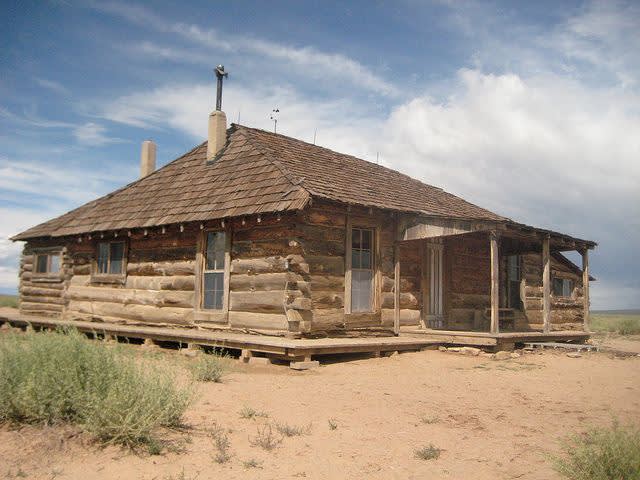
{"points": [[63, 377], [210, 367], [266, 438], [429, 419], [293, 430], [428, 452], [601, 454], [333, 424], [249, 413], [251, 463], [221, 444]]}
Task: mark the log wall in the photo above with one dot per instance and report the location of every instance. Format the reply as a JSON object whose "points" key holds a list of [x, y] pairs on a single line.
{"points": [[42, 295], [566, 312]]}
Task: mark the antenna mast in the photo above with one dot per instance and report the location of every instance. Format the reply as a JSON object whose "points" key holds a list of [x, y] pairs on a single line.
{"points": [[220, 74], [274, 117]]}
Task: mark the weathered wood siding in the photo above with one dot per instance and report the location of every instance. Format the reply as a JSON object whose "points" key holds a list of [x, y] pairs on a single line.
{"points": [[158, 288], [42, 295], [566, 312], [467, 279]]}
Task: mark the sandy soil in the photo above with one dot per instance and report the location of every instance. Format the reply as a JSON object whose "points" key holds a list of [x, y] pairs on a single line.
{"points": [[493, 420]]}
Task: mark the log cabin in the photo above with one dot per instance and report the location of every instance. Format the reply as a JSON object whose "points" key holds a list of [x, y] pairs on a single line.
{"points": [[258, 232]]}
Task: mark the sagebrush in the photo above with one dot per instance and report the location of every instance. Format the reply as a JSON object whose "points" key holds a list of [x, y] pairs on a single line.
{"points": [[107, 391], [210, 367], [601, 454]]}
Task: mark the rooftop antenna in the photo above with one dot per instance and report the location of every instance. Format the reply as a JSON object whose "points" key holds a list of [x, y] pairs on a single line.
{"points": [[377, 157], [274, 117], [238, 122], [220, 74], [315, 132]]}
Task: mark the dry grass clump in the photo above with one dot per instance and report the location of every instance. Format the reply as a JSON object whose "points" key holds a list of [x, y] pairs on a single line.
{"points": [[428, 452], [63, 377], [293, 430], [266, 438], [249, 413], [210, 367], [251, 463], [601, 454], [221, 444]]}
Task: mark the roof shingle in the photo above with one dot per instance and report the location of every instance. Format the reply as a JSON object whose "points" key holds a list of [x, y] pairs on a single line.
{"points": [[256, 172]]}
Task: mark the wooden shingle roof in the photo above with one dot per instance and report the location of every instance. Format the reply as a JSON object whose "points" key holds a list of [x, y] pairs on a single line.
{"points": [[256, 172]]}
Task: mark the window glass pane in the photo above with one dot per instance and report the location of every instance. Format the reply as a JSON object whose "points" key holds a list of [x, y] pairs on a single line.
{"points": [[361, 290], [215, 251], [41, 264], [365, 259], [117, 254], [355, 258], [213, 290], [557, 287], [567, 288], [356, 238], [103, 257], [366, 239], [54, 266]]}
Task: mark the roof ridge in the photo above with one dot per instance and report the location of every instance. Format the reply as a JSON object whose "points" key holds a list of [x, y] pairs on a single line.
{"points": [[370, 164], [291, 177]]}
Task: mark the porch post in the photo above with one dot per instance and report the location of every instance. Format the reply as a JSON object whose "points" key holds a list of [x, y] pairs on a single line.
{"points": [[396, 279], [495, 286], [585, 289], [546, 285]]}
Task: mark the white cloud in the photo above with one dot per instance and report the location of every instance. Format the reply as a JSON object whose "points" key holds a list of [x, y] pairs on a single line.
{"points": [[93, 134], [308, 60], [52, 85]]}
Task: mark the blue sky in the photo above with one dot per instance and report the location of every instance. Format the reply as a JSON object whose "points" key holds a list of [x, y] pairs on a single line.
{"points": [[531, 109]]}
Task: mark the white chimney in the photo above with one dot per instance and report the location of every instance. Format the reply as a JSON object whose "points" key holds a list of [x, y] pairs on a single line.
{"points": [[217, 133], [147, 158], [217, 119]]}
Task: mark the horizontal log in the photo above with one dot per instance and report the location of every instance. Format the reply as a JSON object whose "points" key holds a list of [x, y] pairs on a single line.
{"points": [[324, 300], [264, 248], [258, 265], [299, 303], [336, 316], [261, 281], [261, 301], [407, 283], [125, 296], [143, 313], [162, 254], [41, 291], [161, 268], [31, 306], [27, 267], [56, 285], [173, 282], [407, 317], [320, 217], [469, 300], [327, 283], [262, 321], [407, 300], [42, 299], [81, 280], [327, 265]]}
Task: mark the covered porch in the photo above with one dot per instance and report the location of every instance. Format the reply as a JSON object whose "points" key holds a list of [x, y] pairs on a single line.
{"points": [[481, 280]]}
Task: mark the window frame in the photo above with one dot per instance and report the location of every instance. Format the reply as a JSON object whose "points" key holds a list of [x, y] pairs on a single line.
{"points": [[97, 276], [206, 314], [375, 280], [572, 286], [47, 276]]}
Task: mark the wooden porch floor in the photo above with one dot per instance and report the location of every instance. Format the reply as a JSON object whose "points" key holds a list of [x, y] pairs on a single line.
{"points": [[296, 350]]}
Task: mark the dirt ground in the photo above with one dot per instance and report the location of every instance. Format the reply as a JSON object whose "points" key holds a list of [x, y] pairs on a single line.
{"points": [[492, 420]]}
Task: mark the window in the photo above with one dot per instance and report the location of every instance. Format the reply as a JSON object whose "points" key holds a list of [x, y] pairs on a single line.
{"points": [[562, 287], [47, 263], [361, 270], [110, 258], [213, 274]]}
